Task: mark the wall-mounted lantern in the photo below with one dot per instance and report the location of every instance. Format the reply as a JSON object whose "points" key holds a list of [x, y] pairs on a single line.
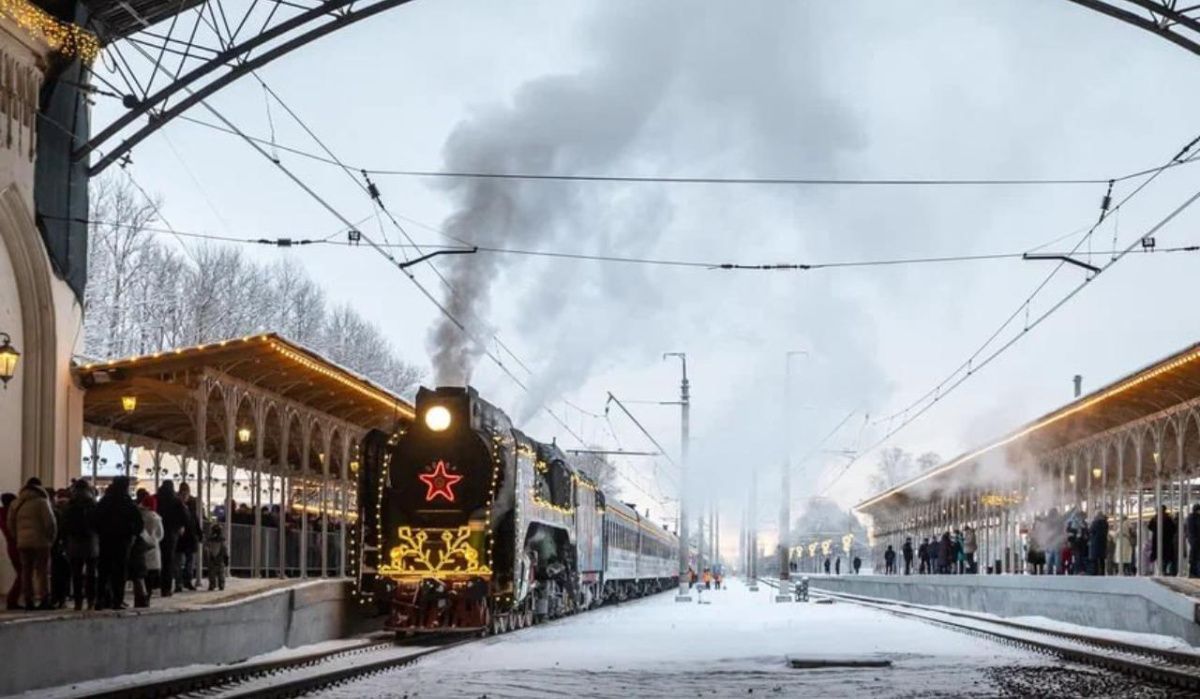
{"points": [[129, 403], [8, 359]]}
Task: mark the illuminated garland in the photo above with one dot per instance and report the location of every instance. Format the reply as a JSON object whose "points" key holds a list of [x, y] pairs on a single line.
{"points": [[537, 499], [416, 554], [66, 38]]}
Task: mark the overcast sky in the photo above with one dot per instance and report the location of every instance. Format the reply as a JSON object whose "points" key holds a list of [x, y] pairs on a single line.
{"points": [[925, 89]]}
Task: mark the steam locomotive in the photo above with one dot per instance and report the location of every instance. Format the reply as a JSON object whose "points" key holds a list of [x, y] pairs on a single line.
{"points": [[468, 524]]}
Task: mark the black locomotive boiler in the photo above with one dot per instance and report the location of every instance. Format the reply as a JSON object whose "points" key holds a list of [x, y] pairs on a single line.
{"points": [[466, 523]]}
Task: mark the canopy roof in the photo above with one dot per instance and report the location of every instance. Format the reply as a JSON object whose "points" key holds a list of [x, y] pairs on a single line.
{"points": [[1166, 383], [288, 379]]}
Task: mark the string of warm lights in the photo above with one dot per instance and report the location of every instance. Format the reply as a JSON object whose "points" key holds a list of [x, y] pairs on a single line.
{"points": [[1188, 356], [67, 38], [278, 344]]}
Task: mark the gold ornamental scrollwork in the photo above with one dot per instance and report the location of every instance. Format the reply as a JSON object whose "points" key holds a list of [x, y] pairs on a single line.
{"points": [[434, 553]]}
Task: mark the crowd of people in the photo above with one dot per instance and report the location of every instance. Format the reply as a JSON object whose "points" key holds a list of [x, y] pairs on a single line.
{"points": [[1066, 544], [72, 545], [1069, 545]]}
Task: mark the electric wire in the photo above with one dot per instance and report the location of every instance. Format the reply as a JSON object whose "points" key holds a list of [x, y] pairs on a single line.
{"points": [[636, 179], [935, 392], [1187, 203], [382, 251], [372, 191], [285, 242]]}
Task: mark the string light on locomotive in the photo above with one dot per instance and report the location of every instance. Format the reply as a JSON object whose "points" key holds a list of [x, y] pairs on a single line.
{"points": [[437, 418], [440, 483]]}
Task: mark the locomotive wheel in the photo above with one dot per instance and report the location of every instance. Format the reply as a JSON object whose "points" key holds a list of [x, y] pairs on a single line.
{"points": [[528, 617]]}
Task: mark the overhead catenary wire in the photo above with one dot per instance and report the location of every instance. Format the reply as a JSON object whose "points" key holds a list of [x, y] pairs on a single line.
{"points": [[697, 180], [383, 251], [420, 246], [373, 192], [1106, 210], [1153, 230]]}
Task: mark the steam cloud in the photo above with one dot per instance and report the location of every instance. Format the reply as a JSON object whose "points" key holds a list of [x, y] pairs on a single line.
{"points": [[667, 89]]}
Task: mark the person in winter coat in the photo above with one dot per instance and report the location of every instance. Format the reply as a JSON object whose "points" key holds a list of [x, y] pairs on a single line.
{"points": [[1079, 550], [837, 566], [857, 563], [174, 521], [970, 547], [945, 549], [923, 557], [889, 561], [1049, 533], [957, 557], [907, 551], [1170, 543], [118, 522], [1098, 544], [1193, 540], [60, 566], [188, 545], [146, 557], [31, 520], [216, 557], [827, 566], [13, 598], [83, 544]]}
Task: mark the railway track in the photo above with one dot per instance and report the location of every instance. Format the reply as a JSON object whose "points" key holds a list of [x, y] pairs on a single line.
{"points": [[1170, 667], [301, 674], [293, 676]]}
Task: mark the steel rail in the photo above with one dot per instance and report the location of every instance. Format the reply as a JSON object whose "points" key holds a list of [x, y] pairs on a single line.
{"points": [[1165, 666], [236, 673], [304, 683]]}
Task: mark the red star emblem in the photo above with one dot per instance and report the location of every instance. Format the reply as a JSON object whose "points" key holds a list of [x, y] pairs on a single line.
{"points": [[439, 483]]}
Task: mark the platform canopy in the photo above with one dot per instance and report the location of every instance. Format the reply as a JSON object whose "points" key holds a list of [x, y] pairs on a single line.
{"points": [[258, 394], [1130, 413]]}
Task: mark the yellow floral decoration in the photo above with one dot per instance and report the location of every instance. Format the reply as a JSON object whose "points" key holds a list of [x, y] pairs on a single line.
{"points": [[446, 554]]}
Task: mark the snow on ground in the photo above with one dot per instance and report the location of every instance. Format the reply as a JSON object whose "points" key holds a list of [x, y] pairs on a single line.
{"points": [[140, 679], [236, 589], [735, 646], [1149, 640]]}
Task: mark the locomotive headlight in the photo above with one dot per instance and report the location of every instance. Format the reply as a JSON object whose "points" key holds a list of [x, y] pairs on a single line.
{"points": [[437, 418]]}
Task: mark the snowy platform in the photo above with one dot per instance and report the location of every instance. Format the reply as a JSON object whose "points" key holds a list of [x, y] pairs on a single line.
{"points": [[248, 618], [1137, 605], [738, 645]]}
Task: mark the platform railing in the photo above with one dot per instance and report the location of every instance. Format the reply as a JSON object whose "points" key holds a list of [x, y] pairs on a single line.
{"points": [[240, 552]]}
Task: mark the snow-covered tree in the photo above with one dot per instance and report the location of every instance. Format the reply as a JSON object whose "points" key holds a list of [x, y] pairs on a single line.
{"points": [[598, 468], [144, 296]]}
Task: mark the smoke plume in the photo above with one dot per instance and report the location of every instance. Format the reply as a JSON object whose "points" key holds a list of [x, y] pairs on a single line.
{"points": [[667, 89]]}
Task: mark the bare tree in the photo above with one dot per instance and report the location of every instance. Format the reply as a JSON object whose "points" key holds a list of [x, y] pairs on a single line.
{"points": [[599, 469], [928, 460], [895, 466], [117, 254], [143, 296]]}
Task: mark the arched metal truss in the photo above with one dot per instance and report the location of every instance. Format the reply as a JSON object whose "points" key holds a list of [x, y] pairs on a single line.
{"points": [[164, 56], [1175, 21]]}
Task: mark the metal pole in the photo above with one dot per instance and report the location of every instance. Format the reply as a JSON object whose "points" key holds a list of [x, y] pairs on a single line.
{"points": [[752, 534], [684, 404], [785, 488]]}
